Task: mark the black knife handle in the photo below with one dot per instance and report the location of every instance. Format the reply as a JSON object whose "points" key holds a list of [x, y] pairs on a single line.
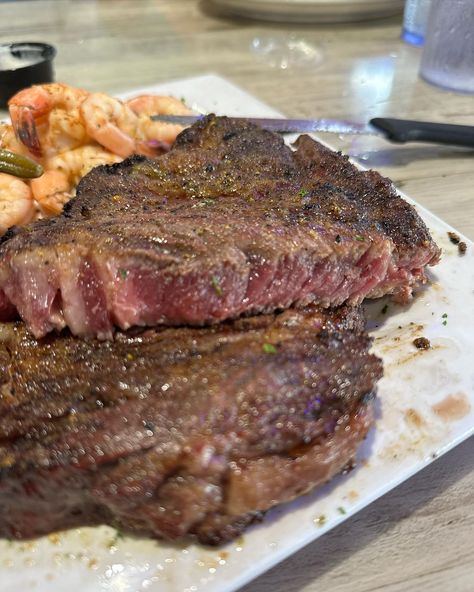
{"points": [[403, 130]]}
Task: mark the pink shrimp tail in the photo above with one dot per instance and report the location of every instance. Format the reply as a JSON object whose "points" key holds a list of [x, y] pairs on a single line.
{"points": [[25, 129]]}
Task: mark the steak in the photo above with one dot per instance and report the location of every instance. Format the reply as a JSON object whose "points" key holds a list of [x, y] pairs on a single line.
{"points": [[179, 432], [231, 221]]}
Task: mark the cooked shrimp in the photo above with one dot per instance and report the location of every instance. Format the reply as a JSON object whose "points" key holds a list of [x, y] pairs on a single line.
{"points": [[111, 123], [51, 191], [16, 202], [150, 131], [78, 162], [8, 140], [46, 118], [161, 105], [70, 131], [58, 184]]}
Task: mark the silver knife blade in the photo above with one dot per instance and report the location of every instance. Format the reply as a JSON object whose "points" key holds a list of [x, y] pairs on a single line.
{"points": [[285, 126]]}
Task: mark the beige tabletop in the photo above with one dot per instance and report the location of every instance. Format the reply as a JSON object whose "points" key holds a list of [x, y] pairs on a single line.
{"points": [[419, 537]]}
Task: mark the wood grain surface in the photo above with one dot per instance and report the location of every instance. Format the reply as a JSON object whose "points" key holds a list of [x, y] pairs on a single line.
{"points": [[419, 537]]}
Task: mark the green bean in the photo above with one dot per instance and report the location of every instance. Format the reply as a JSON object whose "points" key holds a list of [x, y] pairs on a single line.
{"points": [[18, 165]]}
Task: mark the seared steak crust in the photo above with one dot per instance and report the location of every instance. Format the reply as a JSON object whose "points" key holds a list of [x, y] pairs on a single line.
{"points": [[230, 222], [179, 432]]}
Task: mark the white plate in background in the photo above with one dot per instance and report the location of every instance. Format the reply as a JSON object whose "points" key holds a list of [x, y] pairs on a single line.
{"points": [[323, 11], [426, 407]]}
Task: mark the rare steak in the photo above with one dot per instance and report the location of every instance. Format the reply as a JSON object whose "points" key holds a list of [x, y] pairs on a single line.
{"points": [[230, 222], [179, 432]]}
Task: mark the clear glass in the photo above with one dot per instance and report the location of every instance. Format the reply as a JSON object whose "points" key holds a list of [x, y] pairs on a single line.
{"points": [[448, 55], [415, 19]]}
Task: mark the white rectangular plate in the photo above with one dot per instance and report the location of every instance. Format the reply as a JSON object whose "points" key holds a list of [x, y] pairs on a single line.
{"points": [[426, 407]]}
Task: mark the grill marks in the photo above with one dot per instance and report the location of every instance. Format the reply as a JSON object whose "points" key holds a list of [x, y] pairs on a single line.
{"points": [[148, 433], [230, 222]]}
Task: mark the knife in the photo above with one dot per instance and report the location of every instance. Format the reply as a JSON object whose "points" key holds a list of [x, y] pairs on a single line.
{"points": [[394, 130]]}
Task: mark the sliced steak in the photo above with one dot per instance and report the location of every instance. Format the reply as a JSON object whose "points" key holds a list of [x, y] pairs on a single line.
{"points": [[179, 432], [230, 222]]}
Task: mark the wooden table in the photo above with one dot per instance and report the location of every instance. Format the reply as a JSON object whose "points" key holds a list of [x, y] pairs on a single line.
{"points": [[420, 536]]}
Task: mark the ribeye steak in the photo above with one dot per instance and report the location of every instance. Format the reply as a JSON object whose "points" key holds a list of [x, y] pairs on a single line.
{"points": [[179, 432], [230, 222]]}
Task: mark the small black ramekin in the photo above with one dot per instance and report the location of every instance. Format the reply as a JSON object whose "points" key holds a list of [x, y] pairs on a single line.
{"points": [[38, 69]]}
